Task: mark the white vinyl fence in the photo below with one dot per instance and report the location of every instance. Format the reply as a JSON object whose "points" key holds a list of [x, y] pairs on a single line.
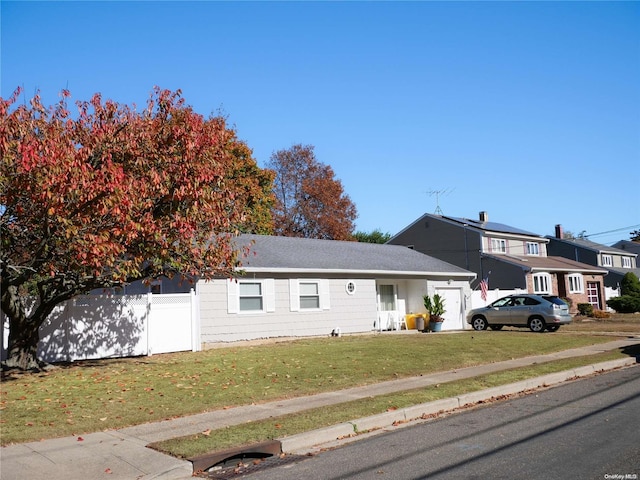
{"points": [[610, 293], [492, 296], [107, 326]]}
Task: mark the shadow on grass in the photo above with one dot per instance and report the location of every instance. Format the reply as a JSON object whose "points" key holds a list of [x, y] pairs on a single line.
{"points": [[632, 351], [12, 374]]}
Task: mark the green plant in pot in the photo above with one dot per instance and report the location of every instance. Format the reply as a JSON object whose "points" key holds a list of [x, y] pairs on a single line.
{"points": [[435, 307]]}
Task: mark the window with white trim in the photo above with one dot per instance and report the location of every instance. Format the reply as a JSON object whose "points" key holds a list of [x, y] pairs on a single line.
{"points": [[626, 262], [306, 294], [576, 283], [607, 261], [498, 245], [309, 295], [250, 297], [533, 248], [541, 283]]}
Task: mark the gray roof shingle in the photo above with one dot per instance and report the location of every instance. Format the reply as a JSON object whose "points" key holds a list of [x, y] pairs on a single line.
{"points": [[551, 264], [590, 245], [491, 226], [271, 253]]}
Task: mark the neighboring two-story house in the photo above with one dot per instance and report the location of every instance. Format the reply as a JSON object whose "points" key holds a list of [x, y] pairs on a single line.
{"points": [[510, 258], [618, 262], [628, 246]]}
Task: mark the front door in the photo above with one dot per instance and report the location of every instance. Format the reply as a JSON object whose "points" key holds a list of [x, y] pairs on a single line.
{"points": [[387, 300], [593, 294]]}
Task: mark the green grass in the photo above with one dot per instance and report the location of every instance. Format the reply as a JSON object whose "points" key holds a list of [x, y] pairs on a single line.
{"points": [[616, 324], [279, 427], [94, 396]]}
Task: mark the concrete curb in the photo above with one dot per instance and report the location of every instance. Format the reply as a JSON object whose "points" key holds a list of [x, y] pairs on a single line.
{"points": [[306, 441]]}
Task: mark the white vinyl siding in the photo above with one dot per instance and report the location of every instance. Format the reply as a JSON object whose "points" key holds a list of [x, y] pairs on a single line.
{"points": [[576, 283], [541, 283], [351, 313]]}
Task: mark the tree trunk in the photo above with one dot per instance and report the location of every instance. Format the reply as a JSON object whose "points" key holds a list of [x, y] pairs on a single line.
{"points": [[24, 334], [23, 345]]}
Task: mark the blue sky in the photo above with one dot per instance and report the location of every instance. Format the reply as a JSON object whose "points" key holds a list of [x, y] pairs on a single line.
{"points": [[527, 110]]}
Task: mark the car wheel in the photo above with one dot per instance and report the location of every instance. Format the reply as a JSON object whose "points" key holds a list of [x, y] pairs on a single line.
{"points": [[553, 328], [479, 323], [536, 324], [496, 327]]}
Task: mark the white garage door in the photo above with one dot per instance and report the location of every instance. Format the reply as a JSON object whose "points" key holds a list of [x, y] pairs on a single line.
{"points": [[454, 315]]}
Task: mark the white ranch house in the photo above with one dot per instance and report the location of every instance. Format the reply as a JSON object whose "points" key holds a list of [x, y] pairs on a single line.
{"points": [[287, 287], [302, 287]]}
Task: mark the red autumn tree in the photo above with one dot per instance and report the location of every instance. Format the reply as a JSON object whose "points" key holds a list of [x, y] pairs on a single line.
{"points": [[310, 201], [112, 195]]}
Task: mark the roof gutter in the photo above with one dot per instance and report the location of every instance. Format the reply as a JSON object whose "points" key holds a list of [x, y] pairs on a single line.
{"points": [[570, 270], [361, 272]]}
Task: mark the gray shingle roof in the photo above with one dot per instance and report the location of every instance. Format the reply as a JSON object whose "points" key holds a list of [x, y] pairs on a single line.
{"points": [[628, 246], [589, 245], [288, 254], [551, 264], [492, 226], [623, 271]]}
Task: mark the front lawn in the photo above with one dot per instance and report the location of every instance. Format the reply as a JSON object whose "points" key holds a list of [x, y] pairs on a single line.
{"points": [[107, 394]]}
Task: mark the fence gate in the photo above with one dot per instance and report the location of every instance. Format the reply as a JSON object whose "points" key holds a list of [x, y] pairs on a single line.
{"points": [[171, 325], [454, 308]]}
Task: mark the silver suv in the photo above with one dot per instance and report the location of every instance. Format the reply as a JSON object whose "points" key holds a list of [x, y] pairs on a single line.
{"points": [[538, 312]]}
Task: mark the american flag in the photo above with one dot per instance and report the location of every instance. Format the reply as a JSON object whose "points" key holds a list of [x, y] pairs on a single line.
{"points": [[484, 286]]}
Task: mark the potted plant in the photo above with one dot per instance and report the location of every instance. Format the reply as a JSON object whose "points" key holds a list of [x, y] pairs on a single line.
{"points": [[435, 307]]}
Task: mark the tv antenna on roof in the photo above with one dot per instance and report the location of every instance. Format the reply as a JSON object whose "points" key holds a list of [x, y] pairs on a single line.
{"points": [[438, 194]]}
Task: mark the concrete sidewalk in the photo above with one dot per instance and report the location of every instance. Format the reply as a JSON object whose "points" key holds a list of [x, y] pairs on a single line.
{"points": [[122, 454]]}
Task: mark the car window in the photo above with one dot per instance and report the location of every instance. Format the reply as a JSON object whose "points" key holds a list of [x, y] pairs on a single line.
{"points": [[553, 299], [503, 302], [519, 301], [531, 301]]}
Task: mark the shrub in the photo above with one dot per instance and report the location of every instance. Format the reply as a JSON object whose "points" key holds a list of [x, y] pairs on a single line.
{"points": [[625, 304], [585, 309], [601, 314], [630, 285]]}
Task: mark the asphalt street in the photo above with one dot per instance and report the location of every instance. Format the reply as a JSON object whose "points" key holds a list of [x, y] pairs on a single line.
{"points": [[587, 429]]}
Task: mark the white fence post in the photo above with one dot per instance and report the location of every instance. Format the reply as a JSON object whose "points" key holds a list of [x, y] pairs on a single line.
{"points": [[195, 322], [148, 323]]}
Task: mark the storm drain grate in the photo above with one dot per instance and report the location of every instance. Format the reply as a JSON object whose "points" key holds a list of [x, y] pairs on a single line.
{"points": [[233, 468]]}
